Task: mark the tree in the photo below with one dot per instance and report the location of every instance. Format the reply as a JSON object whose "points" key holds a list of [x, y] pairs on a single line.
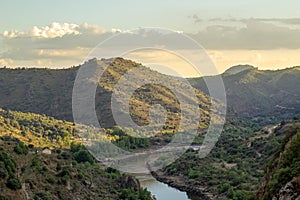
{"points": [[83, 156]]}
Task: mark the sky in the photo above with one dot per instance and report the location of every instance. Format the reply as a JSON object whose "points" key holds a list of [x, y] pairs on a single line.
{"points": [[59, 33]]}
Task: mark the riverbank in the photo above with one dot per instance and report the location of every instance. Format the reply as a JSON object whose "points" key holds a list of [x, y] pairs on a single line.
{"points": [[195, 192]]}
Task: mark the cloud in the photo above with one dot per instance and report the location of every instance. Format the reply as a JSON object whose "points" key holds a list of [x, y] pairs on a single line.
{"points": [[251, 34], [5, 62], [54, 44], [66, 44], [288, 21], [196, 18], [54, 30]]}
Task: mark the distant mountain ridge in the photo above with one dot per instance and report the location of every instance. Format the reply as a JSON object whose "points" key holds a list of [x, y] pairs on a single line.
{"points": [[259, 94]]}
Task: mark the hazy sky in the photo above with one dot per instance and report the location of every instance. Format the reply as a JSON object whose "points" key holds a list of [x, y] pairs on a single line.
{"points": [[56, 33]]}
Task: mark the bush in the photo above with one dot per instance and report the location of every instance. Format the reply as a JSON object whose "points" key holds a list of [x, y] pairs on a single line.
{"points": [[65, 172], [21, 148], [13, 183], [42, 195], [3, 171], [51, 180], [83, 156]]}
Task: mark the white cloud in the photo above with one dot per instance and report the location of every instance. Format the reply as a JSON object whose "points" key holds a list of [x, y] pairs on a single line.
{"points": [[67, 44], [6, 62], [54, 30]]}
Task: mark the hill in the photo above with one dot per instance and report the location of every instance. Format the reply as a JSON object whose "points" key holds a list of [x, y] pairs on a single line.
{"points": [[237, 69], [40, 159], [49, 92], [261, 95], [282, 180], [235, 167]]}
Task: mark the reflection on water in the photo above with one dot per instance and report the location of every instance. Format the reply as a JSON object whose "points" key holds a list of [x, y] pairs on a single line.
{"points": [[160, 190]]}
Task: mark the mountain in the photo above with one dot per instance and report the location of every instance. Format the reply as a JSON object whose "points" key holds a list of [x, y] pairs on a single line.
{"points": [[261, 95], [237, 69], [49, 92], [40, 159], [282, 180]]}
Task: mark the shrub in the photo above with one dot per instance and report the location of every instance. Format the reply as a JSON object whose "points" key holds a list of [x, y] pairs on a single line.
{"points": [[83, 156], [42, 195], [21, 148], [13, 183], [51, 179]]}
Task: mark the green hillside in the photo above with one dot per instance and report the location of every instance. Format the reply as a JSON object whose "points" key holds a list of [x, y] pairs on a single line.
{"points": [[261, 95], [235, 167], [282, 180], [40, 159]]}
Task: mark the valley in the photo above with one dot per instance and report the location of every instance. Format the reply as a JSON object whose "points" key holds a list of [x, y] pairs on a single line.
{"points": [[261, 123]]}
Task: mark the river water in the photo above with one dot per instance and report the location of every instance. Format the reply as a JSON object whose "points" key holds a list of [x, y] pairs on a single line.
{"points": [[160, 190]]}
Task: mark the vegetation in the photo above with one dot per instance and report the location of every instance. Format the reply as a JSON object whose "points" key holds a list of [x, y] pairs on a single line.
{"points": [[49, 92], [234, 168], [285, 164], [264, 96], [67, 173]]}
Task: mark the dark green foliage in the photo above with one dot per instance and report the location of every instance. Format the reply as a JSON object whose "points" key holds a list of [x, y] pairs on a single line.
{"points": [[66, 171], [42, 195], [288, 166], [112, 173], [130, 194], [58, 166], [51, 180], [81, 154], [21, 148], [128, 142], [13, 183], [8, 162]]}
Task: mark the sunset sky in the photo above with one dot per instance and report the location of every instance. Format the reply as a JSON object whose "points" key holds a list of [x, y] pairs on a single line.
{"points": [[55, 33]]}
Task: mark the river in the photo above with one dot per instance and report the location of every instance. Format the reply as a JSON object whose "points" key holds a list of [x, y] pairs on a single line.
{"points": [[160, 190]]}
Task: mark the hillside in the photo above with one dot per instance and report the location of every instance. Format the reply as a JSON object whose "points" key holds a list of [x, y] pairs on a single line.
{"points": [[261, 95], [39, 159], [282, 180], [49, 92], [235, 167]]}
